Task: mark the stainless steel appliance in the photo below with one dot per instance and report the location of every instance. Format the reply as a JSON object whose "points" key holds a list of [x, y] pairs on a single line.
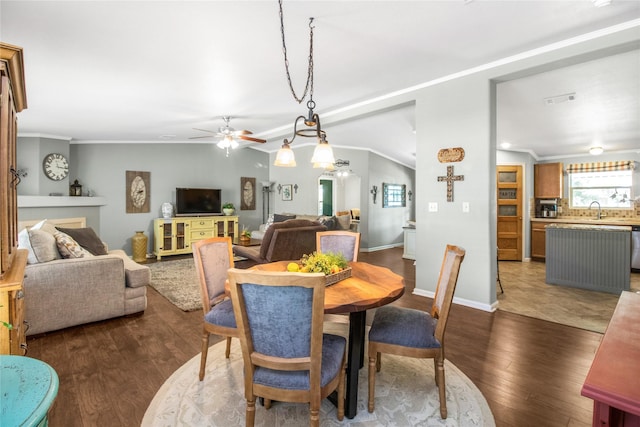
{"points": [[546, 208], [635, 248]]}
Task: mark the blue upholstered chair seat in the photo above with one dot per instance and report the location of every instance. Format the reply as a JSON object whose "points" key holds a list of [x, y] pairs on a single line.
{"points": [[333, 348], [222, 315], [405, 327]]}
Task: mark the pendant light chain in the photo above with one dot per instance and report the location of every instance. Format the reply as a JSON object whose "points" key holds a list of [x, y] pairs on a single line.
{"points": [[309, 85]]}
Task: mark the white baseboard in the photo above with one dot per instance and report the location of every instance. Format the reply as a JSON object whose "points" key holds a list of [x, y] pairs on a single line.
{"points": [[380, 248], [462, 301]]}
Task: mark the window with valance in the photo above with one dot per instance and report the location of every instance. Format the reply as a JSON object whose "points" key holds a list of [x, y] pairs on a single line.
{"points": [[608, 183]]}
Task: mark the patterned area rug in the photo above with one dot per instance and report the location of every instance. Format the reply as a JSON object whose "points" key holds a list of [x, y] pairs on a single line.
{"points": [[406, 395], [177, 281]]}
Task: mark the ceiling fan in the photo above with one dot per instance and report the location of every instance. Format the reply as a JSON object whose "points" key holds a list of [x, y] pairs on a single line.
{"points": [[228, 135]]}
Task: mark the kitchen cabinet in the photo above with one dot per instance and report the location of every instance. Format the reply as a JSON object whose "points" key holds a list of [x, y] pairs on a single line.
{"points": [[538, 240], [548, 180]]}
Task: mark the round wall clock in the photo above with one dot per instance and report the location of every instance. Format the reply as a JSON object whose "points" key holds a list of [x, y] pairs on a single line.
{"points": [[55, 166]]}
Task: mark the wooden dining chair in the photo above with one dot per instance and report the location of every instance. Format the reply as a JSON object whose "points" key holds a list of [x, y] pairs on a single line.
{"points": [[415, 333], [287, 357], [213, 257], [339, 241]]}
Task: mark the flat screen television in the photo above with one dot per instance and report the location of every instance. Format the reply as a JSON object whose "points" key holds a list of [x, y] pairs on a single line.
{"points": [[198, 201]]}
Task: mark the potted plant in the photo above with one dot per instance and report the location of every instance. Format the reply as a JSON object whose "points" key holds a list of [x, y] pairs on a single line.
{"points": [[245, 235], [228, 208]]}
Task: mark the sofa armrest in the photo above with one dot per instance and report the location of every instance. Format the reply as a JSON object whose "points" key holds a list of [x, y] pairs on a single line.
{"points": [[136, 275]]}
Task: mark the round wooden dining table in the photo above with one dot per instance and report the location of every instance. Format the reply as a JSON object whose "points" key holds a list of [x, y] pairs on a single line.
{"points": [[369, 286]]}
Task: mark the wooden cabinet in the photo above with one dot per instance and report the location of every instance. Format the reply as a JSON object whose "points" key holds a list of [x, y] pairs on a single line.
{"points": [[175, 236], [13, 341], [12, 260], [538, 240], [548, 180], [612, 381], [409, 243]]}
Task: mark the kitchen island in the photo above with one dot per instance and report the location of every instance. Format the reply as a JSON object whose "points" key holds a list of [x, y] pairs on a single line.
{"points": [[593, 257]]}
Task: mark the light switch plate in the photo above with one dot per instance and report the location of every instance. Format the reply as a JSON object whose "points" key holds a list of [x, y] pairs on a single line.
{"points": [[465, 207], [433, 206]]}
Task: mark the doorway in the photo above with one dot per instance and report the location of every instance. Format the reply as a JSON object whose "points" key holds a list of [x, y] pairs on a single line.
{"points": [[325, 196], [509, 212]]}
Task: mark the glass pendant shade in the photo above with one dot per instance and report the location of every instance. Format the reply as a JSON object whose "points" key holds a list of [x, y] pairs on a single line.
{"points": [[322, 155], [285, 157]]}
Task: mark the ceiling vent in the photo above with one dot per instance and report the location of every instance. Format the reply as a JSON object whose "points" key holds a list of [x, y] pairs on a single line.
{"points": [[560, 99]]}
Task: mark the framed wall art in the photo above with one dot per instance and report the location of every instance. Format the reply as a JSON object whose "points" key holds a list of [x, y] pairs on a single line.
{"points": [[248, 191], [394, 195], [138, 191], [287, 192]]}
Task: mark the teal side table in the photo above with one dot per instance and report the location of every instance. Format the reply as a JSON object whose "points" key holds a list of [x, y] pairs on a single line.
{"points": [[28, 388]]}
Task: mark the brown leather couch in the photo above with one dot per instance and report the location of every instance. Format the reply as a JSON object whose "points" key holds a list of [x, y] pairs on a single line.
{"points": [[287, 240]]}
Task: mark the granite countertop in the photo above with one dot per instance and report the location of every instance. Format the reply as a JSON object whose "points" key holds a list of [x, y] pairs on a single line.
{"points": [[595, 227], [589, 220]]}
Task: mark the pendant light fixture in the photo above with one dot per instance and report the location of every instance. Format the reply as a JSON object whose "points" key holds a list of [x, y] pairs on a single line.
{"points": [[323, 154]]}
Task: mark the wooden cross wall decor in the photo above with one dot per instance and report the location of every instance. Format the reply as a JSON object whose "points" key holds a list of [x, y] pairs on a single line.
{"points": [[449, 178]]}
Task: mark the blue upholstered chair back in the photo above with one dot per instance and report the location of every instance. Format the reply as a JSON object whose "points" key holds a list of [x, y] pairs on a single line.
{"points": [[346, 243], [213, 257], [279, 319]]}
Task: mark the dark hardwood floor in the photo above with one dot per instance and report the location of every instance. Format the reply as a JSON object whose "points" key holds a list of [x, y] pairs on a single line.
{"points": [[530, 371]]}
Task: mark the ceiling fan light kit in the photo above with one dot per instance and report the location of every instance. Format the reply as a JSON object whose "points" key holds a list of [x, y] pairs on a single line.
{"points": [[229, 135], [595, 151], [323, 154]]}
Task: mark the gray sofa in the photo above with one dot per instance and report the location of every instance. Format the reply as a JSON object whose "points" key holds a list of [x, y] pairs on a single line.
{"points": [[60, 293]]}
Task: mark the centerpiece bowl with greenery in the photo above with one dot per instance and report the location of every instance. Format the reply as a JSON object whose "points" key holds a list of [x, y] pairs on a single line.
{"points": [[334, 265]]}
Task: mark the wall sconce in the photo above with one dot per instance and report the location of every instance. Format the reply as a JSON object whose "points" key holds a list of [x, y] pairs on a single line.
{"points": [[374, 191], [295, 188], [410, 194], [279, 187]]}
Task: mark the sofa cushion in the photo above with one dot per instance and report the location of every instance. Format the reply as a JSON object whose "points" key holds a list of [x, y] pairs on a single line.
{"points": [[69, 248], [87, 238], [282, 218], [43, 245], [25, 243]]}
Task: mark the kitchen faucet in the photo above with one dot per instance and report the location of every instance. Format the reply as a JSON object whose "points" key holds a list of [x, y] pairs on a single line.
{"points": [[599, 216]]}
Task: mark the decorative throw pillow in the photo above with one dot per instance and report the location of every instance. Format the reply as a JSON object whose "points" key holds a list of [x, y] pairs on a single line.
{"points": [[25, 243], [282, 218], [43, 245], [69, 248], [328, 221], [269, 222], [343, 221], [87, 238]]}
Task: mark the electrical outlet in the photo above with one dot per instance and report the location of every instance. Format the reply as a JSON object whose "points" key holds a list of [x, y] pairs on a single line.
{"points": [[465, 207], [433, 206]]}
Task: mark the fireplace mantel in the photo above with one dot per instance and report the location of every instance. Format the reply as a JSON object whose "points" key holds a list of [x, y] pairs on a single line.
{"points": [[59, 201]]}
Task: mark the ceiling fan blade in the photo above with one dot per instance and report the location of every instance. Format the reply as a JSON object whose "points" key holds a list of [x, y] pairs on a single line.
{"points": [[202, 137], [205, 130], [243, 132], [249, 138]]}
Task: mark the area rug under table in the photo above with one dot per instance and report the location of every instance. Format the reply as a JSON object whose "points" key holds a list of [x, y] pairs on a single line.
{"points": [[406, 395], [177, 281]]}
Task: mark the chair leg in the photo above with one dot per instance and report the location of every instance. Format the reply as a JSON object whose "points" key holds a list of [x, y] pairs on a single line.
{"points": [[435, 370], [441, 388], [341, 393], [227, 352], [203, 356], [372, 381], [314, 416], [250, 414], [267, 403]]}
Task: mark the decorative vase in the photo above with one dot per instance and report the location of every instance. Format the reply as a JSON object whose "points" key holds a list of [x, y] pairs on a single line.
{"points": [[228, 211], [244, 238], [167, 210], [139, 247]]}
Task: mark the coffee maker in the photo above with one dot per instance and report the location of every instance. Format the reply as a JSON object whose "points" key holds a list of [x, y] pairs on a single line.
{"points": [[546, 208]]}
